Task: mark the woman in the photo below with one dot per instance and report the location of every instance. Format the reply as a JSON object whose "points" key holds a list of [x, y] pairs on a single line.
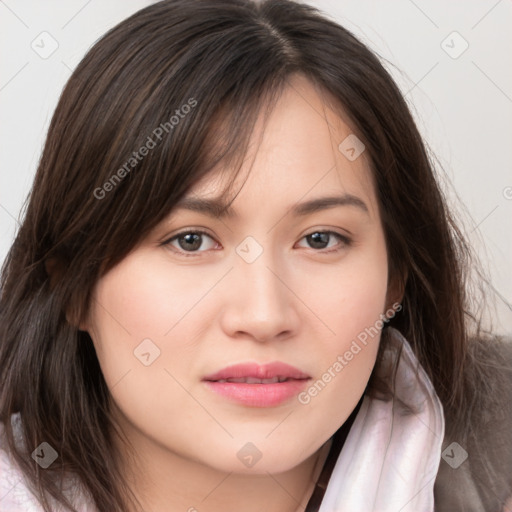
{"points": [[237, 285]]}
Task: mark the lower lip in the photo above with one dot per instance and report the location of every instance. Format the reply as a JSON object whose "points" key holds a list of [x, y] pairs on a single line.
{"points": [[258, 395]]}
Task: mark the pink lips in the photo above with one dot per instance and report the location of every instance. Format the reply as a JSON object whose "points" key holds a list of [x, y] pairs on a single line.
{"points": [[280, 382]]}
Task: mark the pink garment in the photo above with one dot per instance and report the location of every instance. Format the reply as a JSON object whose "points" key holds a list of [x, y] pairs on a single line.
{"points": [[388, 464]]}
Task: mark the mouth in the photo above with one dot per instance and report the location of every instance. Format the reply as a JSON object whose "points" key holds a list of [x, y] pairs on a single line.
{"points": [[255, 380], [254, 385]]}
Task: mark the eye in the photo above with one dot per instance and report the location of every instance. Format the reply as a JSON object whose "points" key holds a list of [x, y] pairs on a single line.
{"points": [[190, 241], [193, 240], [322, 240]]}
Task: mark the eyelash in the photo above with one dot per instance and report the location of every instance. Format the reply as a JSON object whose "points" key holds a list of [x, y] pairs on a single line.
{"points": [[344, 239]]}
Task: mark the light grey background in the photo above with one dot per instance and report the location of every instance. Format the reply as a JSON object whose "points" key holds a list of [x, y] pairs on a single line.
{"points": [[462, 100]]}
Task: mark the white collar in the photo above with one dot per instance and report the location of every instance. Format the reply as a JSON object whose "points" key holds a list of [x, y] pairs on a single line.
{"points": [[391, 456]]}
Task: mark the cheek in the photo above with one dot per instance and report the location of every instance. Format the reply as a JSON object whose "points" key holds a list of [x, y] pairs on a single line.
{"points": [[363, 304], [349, 297], [350, 303], [364, 294], [146, 296], [135, 305], [141, 295], [138, 300]]}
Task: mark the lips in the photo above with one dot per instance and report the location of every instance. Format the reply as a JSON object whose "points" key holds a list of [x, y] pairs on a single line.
{"points": [[253, 373], [253, 385], [254, 380]]}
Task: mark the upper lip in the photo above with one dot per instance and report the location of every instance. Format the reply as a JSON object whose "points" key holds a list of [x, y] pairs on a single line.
{"points": [[255, 370]]}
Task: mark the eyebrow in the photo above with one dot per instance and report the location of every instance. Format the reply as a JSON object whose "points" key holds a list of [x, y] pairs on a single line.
{"points": [[218, 208]]}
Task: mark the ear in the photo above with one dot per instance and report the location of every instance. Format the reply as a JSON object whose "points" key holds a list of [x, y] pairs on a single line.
{"points": [[54, 268], [73, 318], [396, 289]]}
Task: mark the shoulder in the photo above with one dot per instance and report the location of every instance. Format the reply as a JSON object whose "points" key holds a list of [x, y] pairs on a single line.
{"points": [[475, 472], [15, 496], [15, 493]]}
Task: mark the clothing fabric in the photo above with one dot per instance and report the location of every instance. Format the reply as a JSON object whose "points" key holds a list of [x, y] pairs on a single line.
{"points": [[15, 495], [392, 453]]}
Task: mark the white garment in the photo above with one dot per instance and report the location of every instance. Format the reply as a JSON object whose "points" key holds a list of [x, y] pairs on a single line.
{"points": [[15, 495], [388, 463], [391, 456]]}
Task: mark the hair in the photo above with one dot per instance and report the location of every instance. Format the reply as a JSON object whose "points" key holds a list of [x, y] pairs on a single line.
{"points": [[204, 71]]}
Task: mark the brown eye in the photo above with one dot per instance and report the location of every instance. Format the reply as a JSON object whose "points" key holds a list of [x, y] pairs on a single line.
{"points": [[190, 241], [326, 240]]}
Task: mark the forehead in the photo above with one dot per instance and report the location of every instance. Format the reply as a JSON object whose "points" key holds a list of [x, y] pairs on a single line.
{"points": [[307, 148]]}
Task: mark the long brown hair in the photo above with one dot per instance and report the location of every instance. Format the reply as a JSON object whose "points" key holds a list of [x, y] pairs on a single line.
{"points": [[225, 61]]}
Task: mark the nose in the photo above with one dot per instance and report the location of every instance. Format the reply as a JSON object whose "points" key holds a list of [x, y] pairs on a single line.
{"points": [[259, 301]]}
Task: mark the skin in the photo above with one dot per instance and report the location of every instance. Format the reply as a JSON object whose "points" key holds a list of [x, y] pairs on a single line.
{"points": [[296, 303]]}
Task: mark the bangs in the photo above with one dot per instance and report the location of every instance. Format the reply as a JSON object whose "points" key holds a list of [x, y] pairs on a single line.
{"points": [[158, 132], [156, 125]]}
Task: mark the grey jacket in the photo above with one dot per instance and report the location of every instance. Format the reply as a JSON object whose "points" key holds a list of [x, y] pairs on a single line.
{"points": [[483, 481]]}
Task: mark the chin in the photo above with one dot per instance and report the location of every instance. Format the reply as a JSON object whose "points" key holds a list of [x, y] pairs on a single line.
{"points": [[254, 459]]}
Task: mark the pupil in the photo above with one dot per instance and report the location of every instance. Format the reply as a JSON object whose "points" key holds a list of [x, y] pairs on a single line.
{"points": [[193, 241], [319, 239]]}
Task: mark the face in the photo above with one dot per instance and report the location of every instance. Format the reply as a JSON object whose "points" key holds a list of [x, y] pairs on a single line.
{"points": [[280, 279]]}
